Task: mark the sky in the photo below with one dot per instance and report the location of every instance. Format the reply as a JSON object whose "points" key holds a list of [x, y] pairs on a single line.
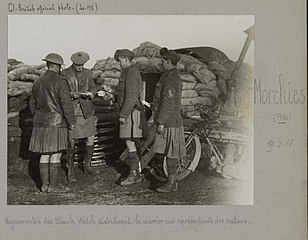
{"points": [[32, 37]]}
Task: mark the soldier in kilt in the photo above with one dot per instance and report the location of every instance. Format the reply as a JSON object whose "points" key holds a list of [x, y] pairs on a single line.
{"points": [[169, 138], [53, 111], [83, 89], [129, 93]]}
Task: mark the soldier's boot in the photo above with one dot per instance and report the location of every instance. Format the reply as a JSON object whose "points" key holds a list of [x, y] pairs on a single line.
{"points": [[89, 149], [54, 185], [134, 175], [44, 172], [171, 185], [70, 165]]}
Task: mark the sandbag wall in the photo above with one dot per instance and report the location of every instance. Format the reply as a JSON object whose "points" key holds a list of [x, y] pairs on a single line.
{"points": [[20, 80], [199, 82], [202, 83], [147, 58], [106, 75]]}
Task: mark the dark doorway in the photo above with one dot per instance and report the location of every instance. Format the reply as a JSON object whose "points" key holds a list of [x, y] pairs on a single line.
{"points": [[150, 82]]}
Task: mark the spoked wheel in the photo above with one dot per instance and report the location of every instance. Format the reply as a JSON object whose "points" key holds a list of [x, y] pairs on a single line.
{"points": [[189, 163]]}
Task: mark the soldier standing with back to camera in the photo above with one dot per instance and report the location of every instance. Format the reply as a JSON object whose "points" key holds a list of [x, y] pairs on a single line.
{"points": [[169, 138], [53, 111], [82, 89]]}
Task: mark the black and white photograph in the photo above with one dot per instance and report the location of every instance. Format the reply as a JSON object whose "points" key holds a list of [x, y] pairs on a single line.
{"points": [[130, 110], [152, 120]]}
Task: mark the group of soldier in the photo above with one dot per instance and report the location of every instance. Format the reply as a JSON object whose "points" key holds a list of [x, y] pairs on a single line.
{"points": [[61, 103]]}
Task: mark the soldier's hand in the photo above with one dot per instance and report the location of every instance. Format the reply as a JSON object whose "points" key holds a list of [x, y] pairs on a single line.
{"points": [[160, 129], [87, 95], [75, 95], [122, 120], [71, 127]]}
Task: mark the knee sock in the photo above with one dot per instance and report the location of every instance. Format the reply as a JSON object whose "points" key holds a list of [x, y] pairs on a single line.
{"points": [[44, 172], [133, 160], [54, 173]]}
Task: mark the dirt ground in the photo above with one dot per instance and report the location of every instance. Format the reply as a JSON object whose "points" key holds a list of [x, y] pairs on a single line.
{"points": [[198, 188]]}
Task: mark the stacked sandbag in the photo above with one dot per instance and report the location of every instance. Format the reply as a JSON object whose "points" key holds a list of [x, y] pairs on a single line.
{"points": [[147, 49], [20, 82], [147, 57], [13, 63], [106, 75], [198, 84], [26, 72]]}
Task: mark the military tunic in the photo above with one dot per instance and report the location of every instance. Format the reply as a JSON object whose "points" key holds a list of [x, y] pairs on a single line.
{"points": [[84, 110], [53, 111], [167, 100], [129, 93]]}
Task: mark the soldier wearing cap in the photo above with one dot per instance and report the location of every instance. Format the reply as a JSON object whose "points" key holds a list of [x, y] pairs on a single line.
{"points": [[82, 90], [169, 138], [53, 111], [129, 94]]}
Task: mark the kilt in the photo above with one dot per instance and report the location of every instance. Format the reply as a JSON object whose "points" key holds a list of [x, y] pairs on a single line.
{"points": [[48, 140], [132, 127], [83, 127], [171, 143]]}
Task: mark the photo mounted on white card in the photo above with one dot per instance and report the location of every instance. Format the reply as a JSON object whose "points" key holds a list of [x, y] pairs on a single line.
{"points": [[245, 168], [215, 68]]}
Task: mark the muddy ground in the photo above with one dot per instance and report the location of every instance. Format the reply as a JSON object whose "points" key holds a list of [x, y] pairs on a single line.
{"points": [[198, 188]]}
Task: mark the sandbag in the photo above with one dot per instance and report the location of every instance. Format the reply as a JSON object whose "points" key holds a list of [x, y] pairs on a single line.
{"points": [[200, 86], [147, 49], [189, 64], [107, 64], [16, 88], [12, 67], [110, 74], [96, 73], [189, 94], [211, 87], [203, 75], [28, 69], [13, 62], [208, 93], [13, 104], [187, 86], [140, 62], [143, 63], [186, 77], [29, 77], [107, 81]]}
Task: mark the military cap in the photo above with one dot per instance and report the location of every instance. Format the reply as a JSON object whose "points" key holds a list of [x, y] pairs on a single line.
{"points": [[80, 57], [54, 58], [170, 55], [123, 53]]}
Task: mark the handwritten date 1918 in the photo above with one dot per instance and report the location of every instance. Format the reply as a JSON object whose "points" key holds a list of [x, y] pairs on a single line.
{"points": [[278, 144]]}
